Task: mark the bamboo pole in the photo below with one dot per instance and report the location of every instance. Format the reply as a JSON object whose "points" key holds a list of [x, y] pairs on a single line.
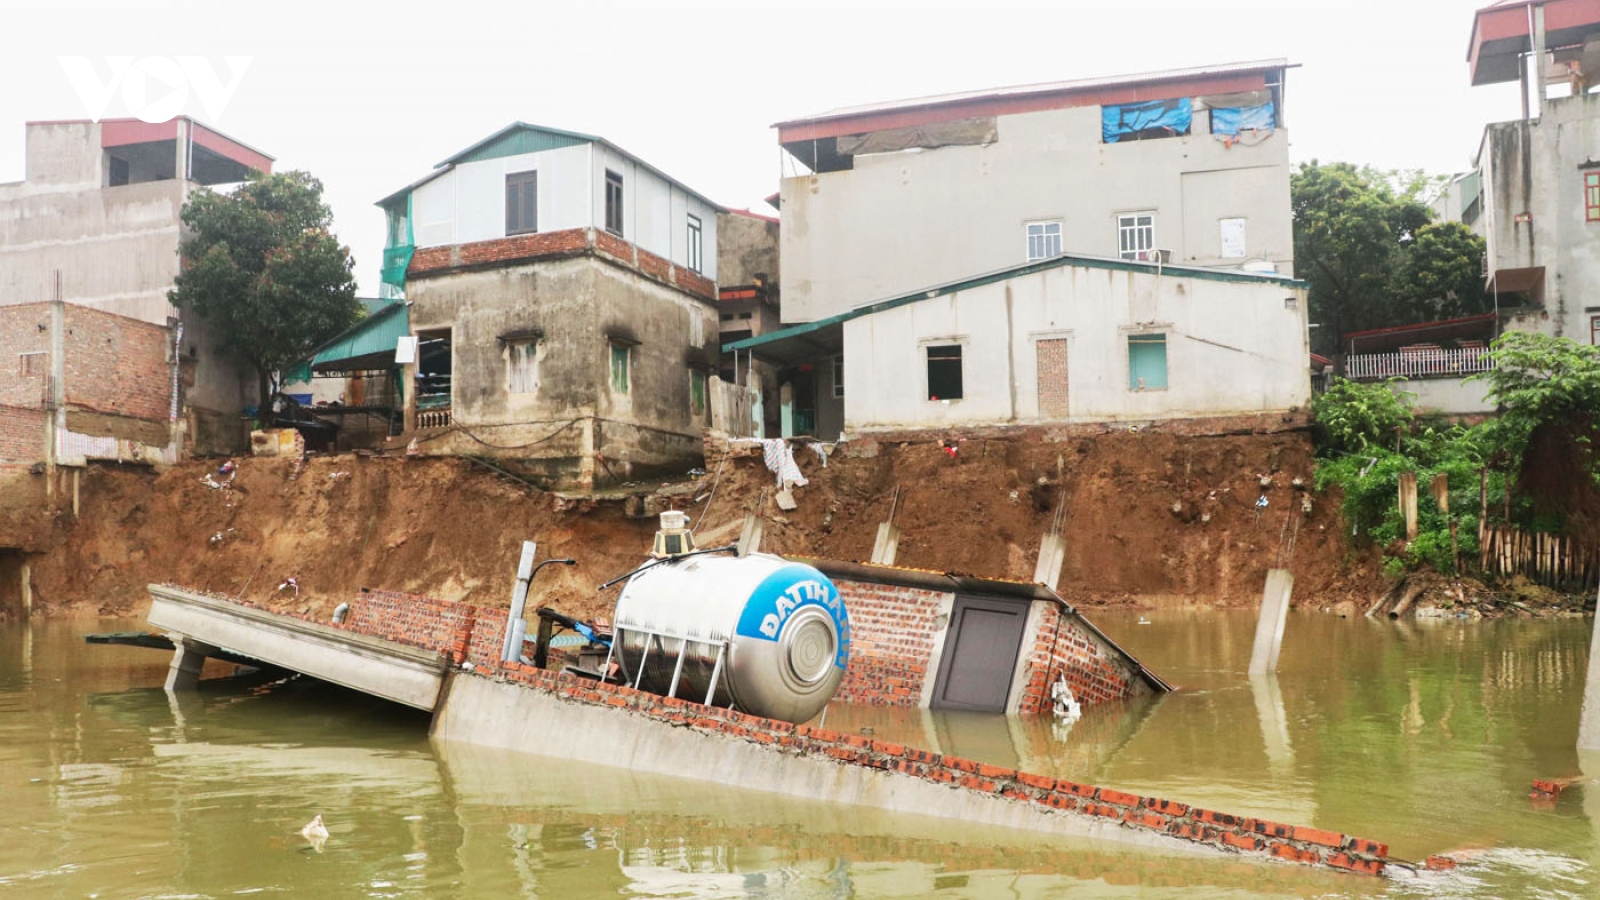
{"points": [[1483, 503]]}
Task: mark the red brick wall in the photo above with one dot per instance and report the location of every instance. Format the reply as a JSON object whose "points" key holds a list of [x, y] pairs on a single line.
{"points": [[557, 244], [1222, 831], [466, 633], [21, 434], [113, 364], [892, 633], [1052, 370], [463, 632], [20, 334], [547, 244], [117, 365], [1062, 647]]}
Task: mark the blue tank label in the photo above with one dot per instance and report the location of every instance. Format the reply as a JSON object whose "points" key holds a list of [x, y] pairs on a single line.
{"points": [[786, 591]]}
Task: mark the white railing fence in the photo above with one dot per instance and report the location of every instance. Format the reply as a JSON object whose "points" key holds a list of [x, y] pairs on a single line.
{"points": [[1418, 363]]}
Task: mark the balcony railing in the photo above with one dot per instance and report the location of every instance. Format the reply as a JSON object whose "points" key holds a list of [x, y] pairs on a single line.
{"points": [[1440, 363]]}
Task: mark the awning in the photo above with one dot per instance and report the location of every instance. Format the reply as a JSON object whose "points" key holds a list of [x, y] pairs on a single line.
{"points": [[368, 345]]}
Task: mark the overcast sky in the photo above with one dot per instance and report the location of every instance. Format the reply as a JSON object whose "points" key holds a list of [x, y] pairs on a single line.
{"points": [[369, 96]]}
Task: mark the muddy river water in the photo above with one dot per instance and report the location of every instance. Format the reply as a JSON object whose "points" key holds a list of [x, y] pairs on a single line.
{"points": [[1425, 735]]}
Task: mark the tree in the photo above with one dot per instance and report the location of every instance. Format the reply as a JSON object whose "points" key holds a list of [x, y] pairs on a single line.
{"points": [[1351, 234], [1443, 272], [264, 271]]}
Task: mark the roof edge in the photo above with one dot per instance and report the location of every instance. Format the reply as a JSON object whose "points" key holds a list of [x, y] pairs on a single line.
{"points": [[1018, 271]]}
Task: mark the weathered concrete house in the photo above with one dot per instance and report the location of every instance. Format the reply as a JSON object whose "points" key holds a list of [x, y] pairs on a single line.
{"points": [[95, 224], [1540, 175], [1534, 197], [1115, 249], [563, 296]]}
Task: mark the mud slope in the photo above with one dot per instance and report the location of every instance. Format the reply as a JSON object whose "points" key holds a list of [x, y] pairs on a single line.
{"points": [[1158, 518]]}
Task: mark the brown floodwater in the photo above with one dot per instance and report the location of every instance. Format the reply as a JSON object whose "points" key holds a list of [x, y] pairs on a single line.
{"points": [[1424, 735]]}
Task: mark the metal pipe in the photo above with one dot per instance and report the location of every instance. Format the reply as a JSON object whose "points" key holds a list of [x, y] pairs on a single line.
{"points": [[616, 638], [643, 656], [716, 674], [677, 670]]}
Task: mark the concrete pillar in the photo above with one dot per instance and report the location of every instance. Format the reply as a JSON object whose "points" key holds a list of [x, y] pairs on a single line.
{"points": [[75, 473], [1052, 555], [750, 535], [27, 590], [886, 545], [1274, 722], [188, 658], [1536, 62], [1589, 723], [1269, 627]]}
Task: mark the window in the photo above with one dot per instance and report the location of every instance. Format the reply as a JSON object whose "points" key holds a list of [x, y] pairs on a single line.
{"points": [[694, 243], [1231, 233], [31, 364], [1044, 240], [838, 376], [944, 372], [697, 392], [522, 373], [1591, 196], [1136, 235], [613, 202], [620, 359], [1147, 362], [1594, 338], [522, 203]]}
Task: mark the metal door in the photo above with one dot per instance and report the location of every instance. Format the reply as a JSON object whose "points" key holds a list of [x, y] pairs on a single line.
{"points": [[980, 654]]}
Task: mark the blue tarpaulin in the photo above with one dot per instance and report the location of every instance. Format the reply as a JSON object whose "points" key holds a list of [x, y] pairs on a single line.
{"points": [[1130, 120], [1231, 121]]}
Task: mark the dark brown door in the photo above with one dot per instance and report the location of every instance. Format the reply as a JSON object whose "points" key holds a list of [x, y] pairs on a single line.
{"points": [[980, 654]]}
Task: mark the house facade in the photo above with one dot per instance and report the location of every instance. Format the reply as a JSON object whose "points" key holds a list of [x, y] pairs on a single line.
{"points": [[886, 199], [95, 225], [1534, 196], [1065, 340], [1115, 249], [1540, 174], [562, 294]]}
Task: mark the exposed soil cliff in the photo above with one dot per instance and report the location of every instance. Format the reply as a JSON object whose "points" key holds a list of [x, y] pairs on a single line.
{"points": [[1148, 517]]}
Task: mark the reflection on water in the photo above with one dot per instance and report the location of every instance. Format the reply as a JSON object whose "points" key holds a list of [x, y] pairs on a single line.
{"points": [[1423, 735]]}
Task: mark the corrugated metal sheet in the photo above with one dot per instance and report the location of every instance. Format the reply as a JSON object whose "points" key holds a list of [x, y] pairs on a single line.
{"points": [[374, 335], [524, 139]]}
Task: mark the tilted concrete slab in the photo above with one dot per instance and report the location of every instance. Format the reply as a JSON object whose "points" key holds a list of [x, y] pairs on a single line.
{"points": [[407, 675]]}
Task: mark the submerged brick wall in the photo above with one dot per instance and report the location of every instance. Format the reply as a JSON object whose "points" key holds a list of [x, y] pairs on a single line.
{"points": [[1063, 647], [1217, 830], [473, 634], [892, 631]]}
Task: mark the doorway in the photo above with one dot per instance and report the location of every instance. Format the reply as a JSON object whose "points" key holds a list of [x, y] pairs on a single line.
{"points": [[980, 654]]}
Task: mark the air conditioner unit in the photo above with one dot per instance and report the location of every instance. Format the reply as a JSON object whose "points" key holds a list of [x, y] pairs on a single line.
{"points": [[1156, 256]]}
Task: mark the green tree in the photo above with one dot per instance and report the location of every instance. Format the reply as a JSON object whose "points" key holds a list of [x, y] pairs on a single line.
{"points": [[1356, 417], [1540, 380], [1351, 233], [263, 270], [1443, 273]]}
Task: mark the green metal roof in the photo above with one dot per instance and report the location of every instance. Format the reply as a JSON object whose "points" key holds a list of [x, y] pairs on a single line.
{"points": [[1018, 271], [521, 137], [370, 343]]}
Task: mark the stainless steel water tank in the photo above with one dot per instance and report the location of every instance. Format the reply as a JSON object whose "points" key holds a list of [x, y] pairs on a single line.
{"points": [[784, 627]]}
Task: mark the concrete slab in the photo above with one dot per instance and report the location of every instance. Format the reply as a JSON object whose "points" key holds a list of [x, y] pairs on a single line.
{"points": [[406, 675]]}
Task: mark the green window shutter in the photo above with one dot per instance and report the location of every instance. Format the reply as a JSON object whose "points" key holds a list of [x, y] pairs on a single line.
{"points": [[1147, 362]]}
